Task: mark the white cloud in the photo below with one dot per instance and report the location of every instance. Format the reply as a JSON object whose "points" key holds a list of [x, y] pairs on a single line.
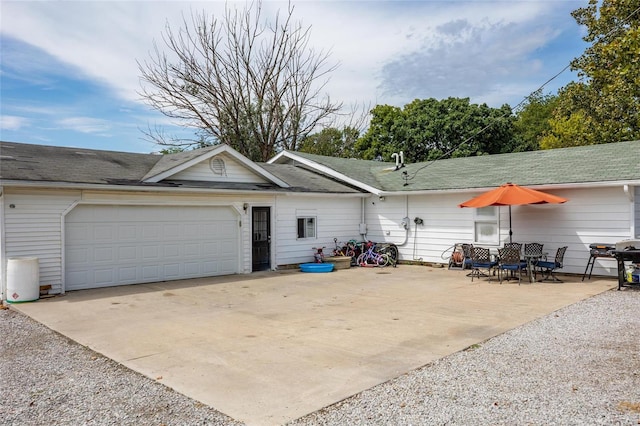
{"points": [[390, 52], [85, 124], [12, 122]]}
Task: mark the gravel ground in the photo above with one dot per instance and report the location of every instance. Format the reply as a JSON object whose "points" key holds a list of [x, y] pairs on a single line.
{"points": [[577, 366]]}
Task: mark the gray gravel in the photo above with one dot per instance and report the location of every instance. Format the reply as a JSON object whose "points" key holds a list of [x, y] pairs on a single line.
{"points": [[579, 365]]}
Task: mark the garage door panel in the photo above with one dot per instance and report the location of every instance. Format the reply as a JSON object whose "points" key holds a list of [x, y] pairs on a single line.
{"points": [[104, 233], [171, 250], [150, 253], [127, 232], [127, 253], [127, 275], [103, 254], [115, 245], [104, 277]]}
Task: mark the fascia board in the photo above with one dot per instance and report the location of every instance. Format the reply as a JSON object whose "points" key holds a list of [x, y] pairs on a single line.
{"points": [[133, 188], [578, 185], [222, 148], [328, 171]]}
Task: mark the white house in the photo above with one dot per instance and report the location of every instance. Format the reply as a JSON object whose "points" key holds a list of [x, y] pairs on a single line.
{"points": [[602, 183], [101, 218]]}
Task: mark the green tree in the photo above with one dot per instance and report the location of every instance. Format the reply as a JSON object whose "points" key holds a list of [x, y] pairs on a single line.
{"points": [[604, 106], [381, 139], [532, 121], [241, 80], [331, 141], [430, 129]]}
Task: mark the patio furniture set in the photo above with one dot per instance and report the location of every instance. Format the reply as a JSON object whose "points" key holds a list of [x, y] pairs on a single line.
{"points": [[512, 261]]}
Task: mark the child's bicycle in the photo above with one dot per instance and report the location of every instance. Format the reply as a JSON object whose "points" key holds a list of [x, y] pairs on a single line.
{"points": [[370, 258], [344, 249], [318, 256]]}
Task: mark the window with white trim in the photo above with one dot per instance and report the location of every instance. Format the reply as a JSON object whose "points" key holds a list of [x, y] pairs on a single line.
{"points": [[307, 227], [486, 226]]}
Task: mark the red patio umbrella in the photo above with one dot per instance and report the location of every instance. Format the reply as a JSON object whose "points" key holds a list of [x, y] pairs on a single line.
{"points": [[511, 194]]}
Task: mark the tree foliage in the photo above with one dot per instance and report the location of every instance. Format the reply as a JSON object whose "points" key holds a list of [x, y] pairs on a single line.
{"points": [[431, 129], [332, 142], [239, 80], [532, 121], [604, 106]]}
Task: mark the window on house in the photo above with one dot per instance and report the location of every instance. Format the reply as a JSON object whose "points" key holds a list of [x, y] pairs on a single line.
{"points": [[486, 226], [306, 227]]}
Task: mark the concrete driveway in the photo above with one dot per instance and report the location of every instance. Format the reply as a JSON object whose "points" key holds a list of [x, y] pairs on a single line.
{"points": [[270, 347]]}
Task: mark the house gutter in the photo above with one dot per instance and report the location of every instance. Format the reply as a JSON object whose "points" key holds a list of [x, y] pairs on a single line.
{"points": [[606, 184], [108, 187]]}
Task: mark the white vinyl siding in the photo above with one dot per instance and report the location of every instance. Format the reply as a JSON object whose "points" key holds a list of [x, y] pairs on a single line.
{"points": [[33, 229], [636, 210], [336, 217], [233, 172], [35, 226], [591, 215]]}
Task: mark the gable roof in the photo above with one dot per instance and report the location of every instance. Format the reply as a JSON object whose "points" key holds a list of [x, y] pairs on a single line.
{"points": [[613, 162], [171, 164], [52, 165]]}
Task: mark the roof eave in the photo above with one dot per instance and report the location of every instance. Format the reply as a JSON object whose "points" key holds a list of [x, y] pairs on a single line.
{"points": [[326, 170], [146, 188], [603, 184]]}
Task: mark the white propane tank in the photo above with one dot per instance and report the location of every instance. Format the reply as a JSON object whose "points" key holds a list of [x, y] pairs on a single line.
{"points": [[23, 279]]}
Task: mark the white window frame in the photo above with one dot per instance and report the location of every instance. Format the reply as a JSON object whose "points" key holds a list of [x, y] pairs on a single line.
{"points": [[486, 218], [309, 227]]}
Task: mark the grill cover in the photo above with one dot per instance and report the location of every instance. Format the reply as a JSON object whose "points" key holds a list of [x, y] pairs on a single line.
{"points": [[628, 244]]}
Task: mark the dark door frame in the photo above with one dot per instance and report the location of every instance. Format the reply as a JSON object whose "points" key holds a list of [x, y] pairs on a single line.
{"points": [[260, 238]]}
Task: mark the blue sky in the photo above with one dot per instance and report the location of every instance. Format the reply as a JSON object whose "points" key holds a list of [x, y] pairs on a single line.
{"points": [[68, 72]]}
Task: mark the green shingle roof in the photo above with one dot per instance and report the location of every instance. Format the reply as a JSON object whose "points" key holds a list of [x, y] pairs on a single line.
{"points": [[594, 163]]}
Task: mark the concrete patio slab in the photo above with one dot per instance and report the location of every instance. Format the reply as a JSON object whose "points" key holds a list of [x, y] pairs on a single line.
{"points": [[270, 347]]}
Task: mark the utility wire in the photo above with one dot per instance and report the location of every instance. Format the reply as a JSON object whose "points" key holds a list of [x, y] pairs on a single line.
{"points": [[405, 175]]}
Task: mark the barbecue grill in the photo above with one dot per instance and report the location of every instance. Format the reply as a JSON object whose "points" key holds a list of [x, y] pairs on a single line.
{"points": [[598, 250], [626, 251]]}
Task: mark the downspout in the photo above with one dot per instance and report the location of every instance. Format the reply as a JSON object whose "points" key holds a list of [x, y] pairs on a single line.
{"points": [[363, 225], [629, 190], [3, 265]]}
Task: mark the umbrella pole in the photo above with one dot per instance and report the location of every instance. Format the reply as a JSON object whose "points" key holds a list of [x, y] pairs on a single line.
{"points": [[510, 230]]}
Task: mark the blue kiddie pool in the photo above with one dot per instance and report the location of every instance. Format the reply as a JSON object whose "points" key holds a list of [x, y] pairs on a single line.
{"points": [[316, 267]]}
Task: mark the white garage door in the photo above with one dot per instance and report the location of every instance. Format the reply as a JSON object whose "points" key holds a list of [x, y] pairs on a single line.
{"points": [[116, 245]]}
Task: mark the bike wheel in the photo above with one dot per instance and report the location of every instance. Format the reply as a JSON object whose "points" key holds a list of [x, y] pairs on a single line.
{"points": [[361, 260], [383, 259]]}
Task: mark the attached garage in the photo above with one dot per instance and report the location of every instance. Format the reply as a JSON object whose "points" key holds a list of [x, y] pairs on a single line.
{"points": [[109, 245]]}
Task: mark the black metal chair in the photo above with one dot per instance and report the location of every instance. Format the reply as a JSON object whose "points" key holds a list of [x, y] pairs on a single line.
{"points": [[468, 261], [517, 246], [532, 253], [548, 268], [510, 262], [481, 260]]}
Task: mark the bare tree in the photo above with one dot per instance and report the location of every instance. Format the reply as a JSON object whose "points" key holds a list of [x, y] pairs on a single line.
{"points": [[239, 80]]}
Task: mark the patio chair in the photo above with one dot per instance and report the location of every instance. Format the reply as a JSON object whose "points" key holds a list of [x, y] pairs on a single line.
{"points": [[510, 262], [468, 261], [548, 268], [517, 246], [532, 252], [481, 261]]}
